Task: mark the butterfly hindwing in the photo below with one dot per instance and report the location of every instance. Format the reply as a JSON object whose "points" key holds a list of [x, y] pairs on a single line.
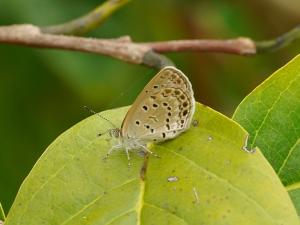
{"points": [[163, 109]]}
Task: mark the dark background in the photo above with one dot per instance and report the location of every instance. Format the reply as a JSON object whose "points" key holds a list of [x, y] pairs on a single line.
{"points": [[42, 91]]}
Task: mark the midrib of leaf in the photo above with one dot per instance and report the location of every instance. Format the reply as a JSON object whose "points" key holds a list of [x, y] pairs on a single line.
{"points": [[289, 154], [271, 108], [140, 202]]}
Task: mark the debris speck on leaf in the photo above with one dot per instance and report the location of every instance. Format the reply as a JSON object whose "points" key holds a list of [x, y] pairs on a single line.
{"points": [[172, 179], [196, 195], [195, 123]]}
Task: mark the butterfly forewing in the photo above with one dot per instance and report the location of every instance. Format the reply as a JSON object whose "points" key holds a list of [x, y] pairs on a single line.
{"points": [[163, 109]]}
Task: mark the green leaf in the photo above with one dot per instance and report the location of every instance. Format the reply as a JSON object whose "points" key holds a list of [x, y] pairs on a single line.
{"points": [[271, 115], [2, 214], [202, 177]]}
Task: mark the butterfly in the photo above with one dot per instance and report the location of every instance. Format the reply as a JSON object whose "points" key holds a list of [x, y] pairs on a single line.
{"points": [[163, 110]]}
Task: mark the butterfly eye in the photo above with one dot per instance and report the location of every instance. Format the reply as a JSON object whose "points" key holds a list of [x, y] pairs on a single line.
{"points": [[114, 133]]}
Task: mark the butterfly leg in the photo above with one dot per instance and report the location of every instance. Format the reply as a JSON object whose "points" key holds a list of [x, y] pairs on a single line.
{"points": [[128, 156], [108, 153], [147, 150]]}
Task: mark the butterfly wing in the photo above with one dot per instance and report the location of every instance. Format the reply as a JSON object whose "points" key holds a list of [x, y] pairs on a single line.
{"points": [[163, 109]]}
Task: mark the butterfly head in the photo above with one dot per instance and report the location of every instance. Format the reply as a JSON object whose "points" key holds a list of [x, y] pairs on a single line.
{"points": [[115, 133]]}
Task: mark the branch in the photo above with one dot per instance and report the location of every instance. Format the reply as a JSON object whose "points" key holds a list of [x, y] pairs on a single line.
{"points": [[87, 22], [121, 48], [139, 53]]}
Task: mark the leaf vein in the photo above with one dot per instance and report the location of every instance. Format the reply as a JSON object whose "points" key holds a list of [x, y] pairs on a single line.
{"points": [[165, 210], [271, 109], [119, 216], [224, 181], [95, 200], [288, 156]]}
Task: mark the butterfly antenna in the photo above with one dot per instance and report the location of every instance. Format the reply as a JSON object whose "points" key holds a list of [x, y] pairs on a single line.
{"points": [[102, 117]]}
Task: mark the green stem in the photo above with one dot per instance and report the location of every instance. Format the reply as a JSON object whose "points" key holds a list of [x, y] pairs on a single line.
{"points": [[2, 214], [279, 42], [87, 22]]}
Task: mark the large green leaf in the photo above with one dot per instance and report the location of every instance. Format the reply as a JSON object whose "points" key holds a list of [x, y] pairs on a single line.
{"points": [[271, 115], [202, 177]]}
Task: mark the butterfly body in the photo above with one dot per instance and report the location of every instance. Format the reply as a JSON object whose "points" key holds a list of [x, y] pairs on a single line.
{"points": [[125, 142], [163, 110]]}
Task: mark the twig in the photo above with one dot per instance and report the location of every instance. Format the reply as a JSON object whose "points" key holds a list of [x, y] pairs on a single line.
{"points": [[139, 53], [122, 48], [279, 42], [240, 46], [87, 22]]}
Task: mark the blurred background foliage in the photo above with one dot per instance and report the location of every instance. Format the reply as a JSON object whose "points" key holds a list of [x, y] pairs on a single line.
{"points": [[42, 91]]}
